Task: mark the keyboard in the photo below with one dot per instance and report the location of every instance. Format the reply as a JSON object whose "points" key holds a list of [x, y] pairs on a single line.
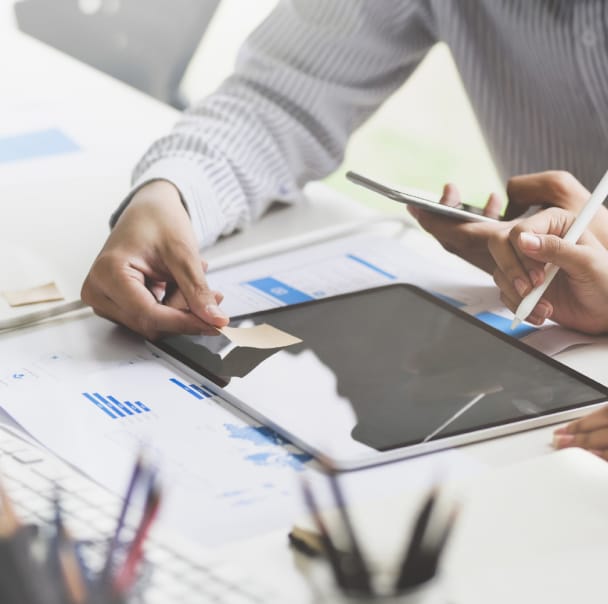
{"points": [[173, 571]]}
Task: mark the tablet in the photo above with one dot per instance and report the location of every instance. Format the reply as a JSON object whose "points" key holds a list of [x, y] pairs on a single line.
{"points": [[383, 374]]}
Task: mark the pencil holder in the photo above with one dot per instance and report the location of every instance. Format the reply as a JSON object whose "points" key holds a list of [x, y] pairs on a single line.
{"points": [[429, 592]]}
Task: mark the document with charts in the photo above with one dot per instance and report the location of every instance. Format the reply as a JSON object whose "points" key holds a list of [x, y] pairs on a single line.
{"points": [[93, 393]]}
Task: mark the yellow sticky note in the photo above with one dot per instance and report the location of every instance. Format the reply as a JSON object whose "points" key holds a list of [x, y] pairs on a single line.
{"points": [[48, 292], [259, 336]]}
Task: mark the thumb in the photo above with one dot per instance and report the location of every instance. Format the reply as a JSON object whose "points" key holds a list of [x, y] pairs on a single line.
{"points": [[571, 257]]}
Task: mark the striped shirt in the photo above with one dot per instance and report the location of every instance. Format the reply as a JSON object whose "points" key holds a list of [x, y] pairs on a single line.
{"points": [[536, 72]]}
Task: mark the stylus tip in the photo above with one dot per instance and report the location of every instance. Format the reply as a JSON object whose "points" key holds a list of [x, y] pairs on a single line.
{"points": [[516, 323]]}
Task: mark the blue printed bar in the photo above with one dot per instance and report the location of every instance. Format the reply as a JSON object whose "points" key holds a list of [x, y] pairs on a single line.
{"points": [[121, 406], [200, 390], [503, 324], [188, 389], [142, 406], [114, 407], [98, 404], [132, 407], [106, 402], [279, 290], [371, 266], [207, 390], [29, 145]]}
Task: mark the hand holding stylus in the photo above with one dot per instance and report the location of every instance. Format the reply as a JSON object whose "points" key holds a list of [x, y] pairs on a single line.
{"points": [[578, 296], [571, 236]]}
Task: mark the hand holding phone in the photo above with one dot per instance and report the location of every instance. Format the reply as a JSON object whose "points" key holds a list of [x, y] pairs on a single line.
{"points": [[464, 212]]}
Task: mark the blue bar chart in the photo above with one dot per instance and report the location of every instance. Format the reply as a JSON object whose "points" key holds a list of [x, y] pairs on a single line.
{"points": [[197, 391], [114, 407]]}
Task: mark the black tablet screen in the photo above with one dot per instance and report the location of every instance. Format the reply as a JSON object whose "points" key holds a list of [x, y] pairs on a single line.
{"points": [[410, 367]]}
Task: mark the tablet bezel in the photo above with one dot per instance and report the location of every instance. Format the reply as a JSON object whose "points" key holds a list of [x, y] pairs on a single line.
{"points": [[216, 384]]}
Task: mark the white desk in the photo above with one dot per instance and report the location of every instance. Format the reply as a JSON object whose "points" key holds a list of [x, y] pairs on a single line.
{"points": [[60, 205]]}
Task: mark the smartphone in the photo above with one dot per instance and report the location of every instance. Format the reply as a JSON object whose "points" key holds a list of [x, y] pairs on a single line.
{"points": [[463, 212]]}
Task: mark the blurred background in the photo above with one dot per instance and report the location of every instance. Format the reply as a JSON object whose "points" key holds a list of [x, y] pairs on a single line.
{"points": [[180, 50]]}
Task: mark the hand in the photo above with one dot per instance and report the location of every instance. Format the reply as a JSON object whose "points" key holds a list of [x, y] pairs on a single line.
{"points": [[149, 275], [578, 296], [589, 432], [553, 188], [469, 239]]}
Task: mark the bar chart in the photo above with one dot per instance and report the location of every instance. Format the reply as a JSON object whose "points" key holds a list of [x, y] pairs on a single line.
{"points": [[114, 407], [197, 391]]}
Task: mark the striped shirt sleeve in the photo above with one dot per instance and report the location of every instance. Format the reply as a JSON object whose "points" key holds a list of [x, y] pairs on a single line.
{"points": [[304, 80]]}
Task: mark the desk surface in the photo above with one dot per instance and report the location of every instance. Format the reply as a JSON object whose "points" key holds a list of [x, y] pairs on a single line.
{"points": [[59, 206]]}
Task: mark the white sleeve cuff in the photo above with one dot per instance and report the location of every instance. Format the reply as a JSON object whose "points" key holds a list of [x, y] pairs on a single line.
{"points": [[196, 192]]}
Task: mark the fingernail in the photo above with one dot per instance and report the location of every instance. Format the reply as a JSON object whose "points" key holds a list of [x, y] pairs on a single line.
{"points": [[215, 311], [530, 242], [562, 440], [562, 430], [521, 286]]}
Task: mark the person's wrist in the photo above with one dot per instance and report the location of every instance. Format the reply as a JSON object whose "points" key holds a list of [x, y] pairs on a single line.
{"points": [[160, 194]]}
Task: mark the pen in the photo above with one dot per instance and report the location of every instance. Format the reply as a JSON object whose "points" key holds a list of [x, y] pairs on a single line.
{"points": [[332, 553], [127, 574], [360, 579], [138, 470], [526, 306], [415, 564]]}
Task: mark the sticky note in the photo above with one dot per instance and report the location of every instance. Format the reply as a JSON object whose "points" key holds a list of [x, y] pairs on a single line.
{"points": [[49, 292], [40, 143], [259, 336]]}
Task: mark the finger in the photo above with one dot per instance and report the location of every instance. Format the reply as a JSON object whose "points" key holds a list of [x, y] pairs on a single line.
{"points": [[177, 299], [509, 294], [184, 264], [551, 221], [572, 258], [593, 421], [554, 187], [141, 313], [450, 196], [509, 263], [493, 206], [540, 313], [597, 439], [413, 210]]}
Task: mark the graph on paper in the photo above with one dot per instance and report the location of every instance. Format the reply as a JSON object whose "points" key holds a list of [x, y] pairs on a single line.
{"points": [[113, 407]]}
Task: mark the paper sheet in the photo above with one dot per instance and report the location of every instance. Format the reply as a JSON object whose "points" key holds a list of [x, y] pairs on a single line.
{"points": [[367, 260], [241, 474]]}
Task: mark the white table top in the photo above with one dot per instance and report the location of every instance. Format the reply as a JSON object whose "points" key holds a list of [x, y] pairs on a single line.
{"points": [[59, 207]]}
